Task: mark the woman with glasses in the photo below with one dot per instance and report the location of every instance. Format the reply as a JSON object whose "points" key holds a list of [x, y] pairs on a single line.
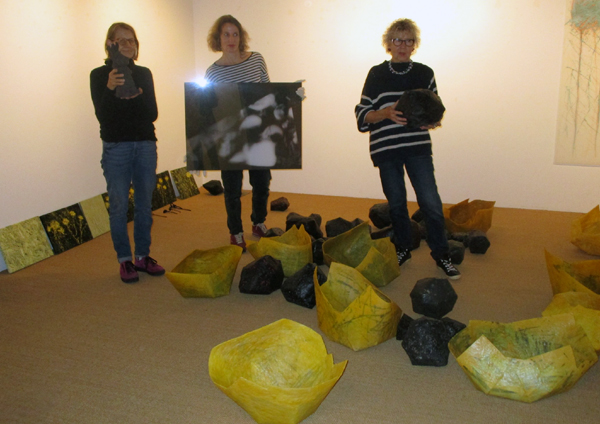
{"points": [[394, 146], [128, 146], [237, 65]]}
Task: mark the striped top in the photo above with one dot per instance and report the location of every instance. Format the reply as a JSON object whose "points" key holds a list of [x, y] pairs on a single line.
{"points": [[253, 69], [388, 140]]}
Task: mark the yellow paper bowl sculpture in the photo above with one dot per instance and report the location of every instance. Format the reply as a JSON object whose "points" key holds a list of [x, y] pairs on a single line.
{"points": [[279, 373], [293, 249], [584, 307], [352, 311], [206, 273], [375, 259], [585, 232], [525, 360], [466, 216], [580, 276]]}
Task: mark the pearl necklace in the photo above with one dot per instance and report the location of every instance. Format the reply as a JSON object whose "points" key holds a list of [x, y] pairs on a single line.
{"points": [[393, 71]]}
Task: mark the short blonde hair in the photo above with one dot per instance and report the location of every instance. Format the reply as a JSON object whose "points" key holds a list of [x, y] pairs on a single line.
{"points": [[401, 25], [214, 35], [110, 35]]}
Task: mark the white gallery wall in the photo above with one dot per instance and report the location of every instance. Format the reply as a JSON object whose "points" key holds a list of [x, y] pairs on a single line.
{"points": [[497, 65]]}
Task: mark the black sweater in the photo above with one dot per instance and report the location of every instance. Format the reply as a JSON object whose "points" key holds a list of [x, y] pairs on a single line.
{"points": [[120, 119], [388, 140]]}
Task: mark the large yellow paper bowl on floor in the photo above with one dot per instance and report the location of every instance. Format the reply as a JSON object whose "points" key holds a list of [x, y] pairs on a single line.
{"points": [[375, 259], [525, 360], [580, 276], [352, 311], [585, 232], [206, 273], [293, 249], [466, 216], [585, 308], [279, 373]]}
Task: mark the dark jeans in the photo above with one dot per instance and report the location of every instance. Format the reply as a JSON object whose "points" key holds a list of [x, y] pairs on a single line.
{"points": [[421, 173], [260, 181], [124, 164]]}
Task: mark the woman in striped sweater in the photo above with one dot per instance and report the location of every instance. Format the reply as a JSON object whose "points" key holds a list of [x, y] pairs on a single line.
{"points": [[235, 65], [395, 146]]}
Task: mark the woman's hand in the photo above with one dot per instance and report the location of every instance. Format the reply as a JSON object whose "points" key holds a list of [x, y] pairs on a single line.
{"points": [[115, 80], [389, 112]]}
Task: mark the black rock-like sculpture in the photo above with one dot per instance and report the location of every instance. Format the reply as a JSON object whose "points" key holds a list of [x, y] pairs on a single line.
{"points": [[120, 63], [384, 232], [456, 251], [461, 237], [274, 232], [433, 297], [403, 325], [418, 216], [357, 222], [214, 187], [453, 327], [337, 226], [379, 214], [478, 242], [263, 276], [300, 289], [421, 107], [415, 234], [280, 204], [312, 223], [317, 251], [426, 342]]}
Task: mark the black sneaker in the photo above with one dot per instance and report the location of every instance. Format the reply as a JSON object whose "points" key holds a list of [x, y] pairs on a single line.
{"points": [[446, 265], [403, 255]]}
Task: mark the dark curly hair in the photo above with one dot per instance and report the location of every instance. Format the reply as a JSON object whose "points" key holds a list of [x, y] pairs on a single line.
{"points": [[214, 35]]}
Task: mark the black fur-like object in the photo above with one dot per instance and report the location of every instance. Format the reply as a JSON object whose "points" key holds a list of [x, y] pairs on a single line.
{"points": [[421, 107]]}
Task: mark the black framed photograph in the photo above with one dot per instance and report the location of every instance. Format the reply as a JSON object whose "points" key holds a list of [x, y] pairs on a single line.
{"points": [[243, 126]]}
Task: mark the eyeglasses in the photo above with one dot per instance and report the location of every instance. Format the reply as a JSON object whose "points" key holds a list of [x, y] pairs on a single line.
{"points": [[408, 43], [123, 41]]}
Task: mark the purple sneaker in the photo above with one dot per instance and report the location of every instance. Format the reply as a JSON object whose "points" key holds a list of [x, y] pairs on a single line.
{"points": [[149, 265], [128, 272], [259, 230]]}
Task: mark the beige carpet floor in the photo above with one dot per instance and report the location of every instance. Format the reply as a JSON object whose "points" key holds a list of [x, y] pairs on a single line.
{"points": [[79, 346]]}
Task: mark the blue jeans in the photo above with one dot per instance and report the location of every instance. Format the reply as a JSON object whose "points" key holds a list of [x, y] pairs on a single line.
{"points": [[126, 163], [421, 173], [260, 180]]}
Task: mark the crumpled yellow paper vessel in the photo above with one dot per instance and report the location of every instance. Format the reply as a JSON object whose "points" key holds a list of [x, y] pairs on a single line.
{"points": [[466, 216], [352, 311], [579, 276], [206, 273], [585, 232], [375, 259], [525, 360], [279, 373], [293, 249], [585, 308]]}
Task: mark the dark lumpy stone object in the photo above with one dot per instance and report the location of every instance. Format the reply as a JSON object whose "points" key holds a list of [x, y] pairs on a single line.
{"points": [[478, 242], [384, 232], [453, 327], [280, 204], [337, 226], [317, 251], [461, 237], [379, 214], [426, 341], [418, 216], [403, 325], [300, 289], [121, 64], [415, 234], [263, 276], [312, 223], [274, 232], [421, 107], [456, 251], [214, 187], [433, 297]]}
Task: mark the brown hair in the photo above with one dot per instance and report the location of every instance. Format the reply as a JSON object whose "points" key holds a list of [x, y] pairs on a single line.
{"points": [[214, 35], [401, 25], [110, 35]]}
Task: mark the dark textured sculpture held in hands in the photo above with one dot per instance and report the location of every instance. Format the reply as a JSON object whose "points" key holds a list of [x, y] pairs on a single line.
{"points": [[120, 63], [421, 107]]}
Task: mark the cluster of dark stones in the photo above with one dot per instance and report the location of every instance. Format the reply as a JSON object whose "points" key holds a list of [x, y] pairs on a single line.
{"points": [[311, 223], [475, 240], [379, 214], [337, 226], [280, 204], [421, 107], [425, 339], [214, 187]]}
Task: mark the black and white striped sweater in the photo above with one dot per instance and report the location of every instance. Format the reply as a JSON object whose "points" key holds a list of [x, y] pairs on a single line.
{"points": [[253, 69]]}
